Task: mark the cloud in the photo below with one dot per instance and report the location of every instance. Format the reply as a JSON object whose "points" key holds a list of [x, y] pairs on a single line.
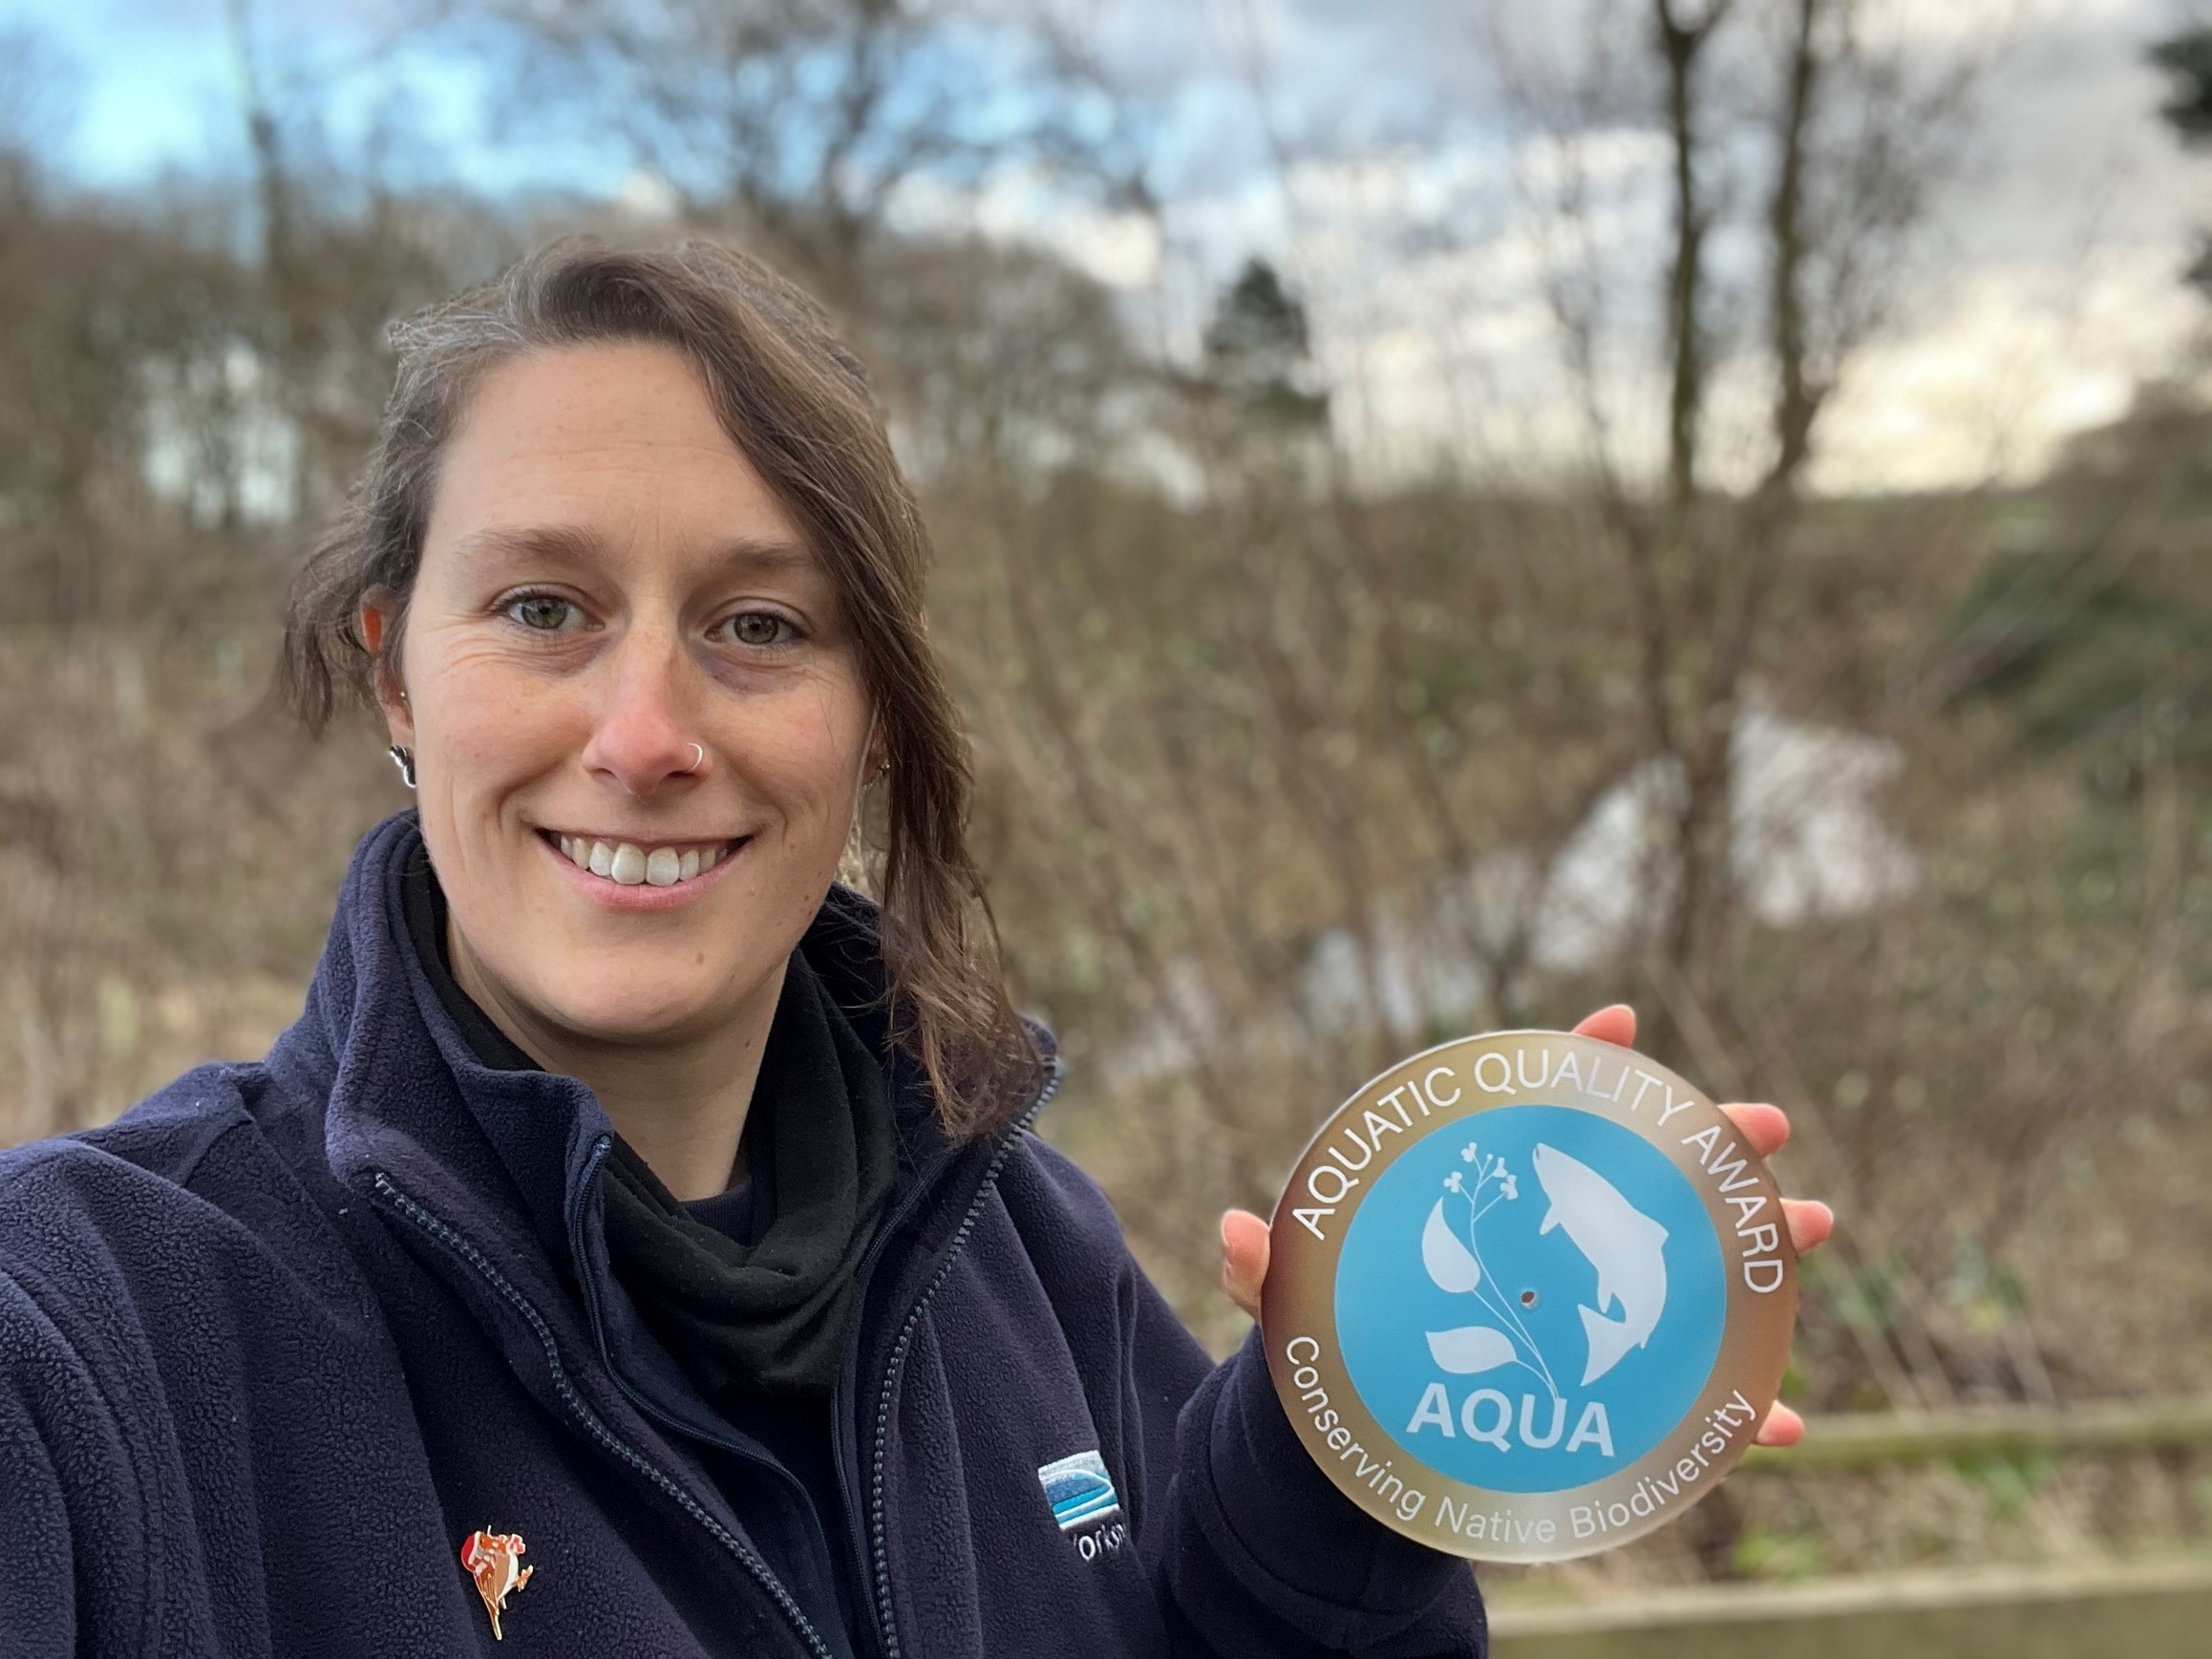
{"points": [[1118, 248], [2014, 360]]}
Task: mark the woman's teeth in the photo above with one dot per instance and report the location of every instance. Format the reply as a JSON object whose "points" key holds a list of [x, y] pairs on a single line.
{"points": [[630, 865]]}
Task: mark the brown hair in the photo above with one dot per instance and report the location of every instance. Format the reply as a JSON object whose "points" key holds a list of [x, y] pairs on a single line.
{"points": [[797, 404]]}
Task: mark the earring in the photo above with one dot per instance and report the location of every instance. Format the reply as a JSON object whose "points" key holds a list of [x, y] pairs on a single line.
{"points": [[404, 759]]}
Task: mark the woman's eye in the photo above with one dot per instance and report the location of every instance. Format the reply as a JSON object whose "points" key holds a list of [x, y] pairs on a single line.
{"points": [[760, 627], [541, 612]]}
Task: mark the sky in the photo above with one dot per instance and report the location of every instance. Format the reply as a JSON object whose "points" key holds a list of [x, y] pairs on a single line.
{"points": [[1365, 149]]}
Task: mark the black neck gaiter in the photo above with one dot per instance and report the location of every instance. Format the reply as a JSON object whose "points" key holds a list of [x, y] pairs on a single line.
{"points": [[764, 1318]]}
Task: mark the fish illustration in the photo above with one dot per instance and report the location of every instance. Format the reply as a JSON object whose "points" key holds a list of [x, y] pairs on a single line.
{"points": [[1622, 1243], [491, 1558]]}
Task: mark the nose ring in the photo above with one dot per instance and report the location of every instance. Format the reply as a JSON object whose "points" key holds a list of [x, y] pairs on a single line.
{"points": [[698, 756]]}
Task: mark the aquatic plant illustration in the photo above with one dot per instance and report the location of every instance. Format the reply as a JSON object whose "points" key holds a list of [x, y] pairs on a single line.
{"points": [[1626, 1247], [1452, 1251]]}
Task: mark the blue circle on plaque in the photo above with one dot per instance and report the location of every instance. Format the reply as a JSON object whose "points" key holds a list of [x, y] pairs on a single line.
{"points": [[1531, 1298]]}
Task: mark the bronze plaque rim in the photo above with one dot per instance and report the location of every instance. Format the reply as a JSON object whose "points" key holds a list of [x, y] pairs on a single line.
{"points": [[1298, 1303]]}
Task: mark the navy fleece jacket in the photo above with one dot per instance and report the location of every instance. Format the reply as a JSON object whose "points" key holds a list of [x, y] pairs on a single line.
{"points": [[276, 1342]]}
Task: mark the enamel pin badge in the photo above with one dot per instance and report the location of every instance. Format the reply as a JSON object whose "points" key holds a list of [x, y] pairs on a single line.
{"points": [[492, 1559], [1529, 1296]]}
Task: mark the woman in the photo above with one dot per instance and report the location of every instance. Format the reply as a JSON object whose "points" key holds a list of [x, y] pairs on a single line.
{"points": [[638, 1246]]}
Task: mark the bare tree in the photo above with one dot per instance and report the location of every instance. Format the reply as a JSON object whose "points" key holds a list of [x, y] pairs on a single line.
{"points": [[806, 119], [1844, 144], [338, 249]]}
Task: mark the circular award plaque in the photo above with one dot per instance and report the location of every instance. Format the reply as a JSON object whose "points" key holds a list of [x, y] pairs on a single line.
{"points": [[1528, 1297]]}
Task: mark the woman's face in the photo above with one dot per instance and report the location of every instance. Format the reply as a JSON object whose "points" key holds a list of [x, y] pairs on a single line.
{"points": [[619, 645]]}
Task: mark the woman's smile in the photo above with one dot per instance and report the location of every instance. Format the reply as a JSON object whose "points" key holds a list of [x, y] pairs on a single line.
{"points": [[626, 874]]}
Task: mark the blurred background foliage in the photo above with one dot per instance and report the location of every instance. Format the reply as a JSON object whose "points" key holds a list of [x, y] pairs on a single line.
{"points": [[1297, 750]]}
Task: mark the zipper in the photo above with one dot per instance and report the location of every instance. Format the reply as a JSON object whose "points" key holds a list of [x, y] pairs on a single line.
{"points": [[645, 1405], [589, 1420], [878, 1539]]}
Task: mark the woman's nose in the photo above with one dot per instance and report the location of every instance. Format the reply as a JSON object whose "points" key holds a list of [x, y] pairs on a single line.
{"points": [[644, 733]]}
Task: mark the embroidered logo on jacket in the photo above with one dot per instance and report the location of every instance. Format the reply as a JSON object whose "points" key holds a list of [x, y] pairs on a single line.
{"points": [[490, 1557], [1079, 1490]]}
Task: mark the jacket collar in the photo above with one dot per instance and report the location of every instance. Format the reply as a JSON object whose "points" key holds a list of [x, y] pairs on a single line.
{"points": [[505, 1153], [500, 1153]]}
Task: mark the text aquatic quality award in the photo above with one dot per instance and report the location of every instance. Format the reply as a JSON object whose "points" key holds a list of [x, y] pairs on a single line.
{"points": [[1529, 1296]]}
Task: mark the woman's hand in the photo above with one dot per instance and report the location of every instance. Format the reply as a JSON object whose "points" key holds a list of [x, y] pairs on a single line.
{"points": [[1245, 1235]]}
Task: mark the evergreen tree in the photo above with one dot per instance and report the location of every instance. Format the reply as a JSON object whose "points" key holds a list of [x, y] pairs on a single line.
{"points": [[1258, 346], [2186, 57]]}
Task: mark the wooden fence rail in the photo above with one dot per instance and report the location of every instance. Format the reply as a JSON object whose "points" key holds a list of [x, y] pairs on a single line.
{"points": [[2130, 1610], [2109, 1428], [2142, 1609]]}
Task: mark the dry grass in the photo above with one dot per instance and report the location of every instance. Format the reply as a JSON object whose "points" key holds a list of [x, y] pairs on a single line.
{"points": [[170, 851]]}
